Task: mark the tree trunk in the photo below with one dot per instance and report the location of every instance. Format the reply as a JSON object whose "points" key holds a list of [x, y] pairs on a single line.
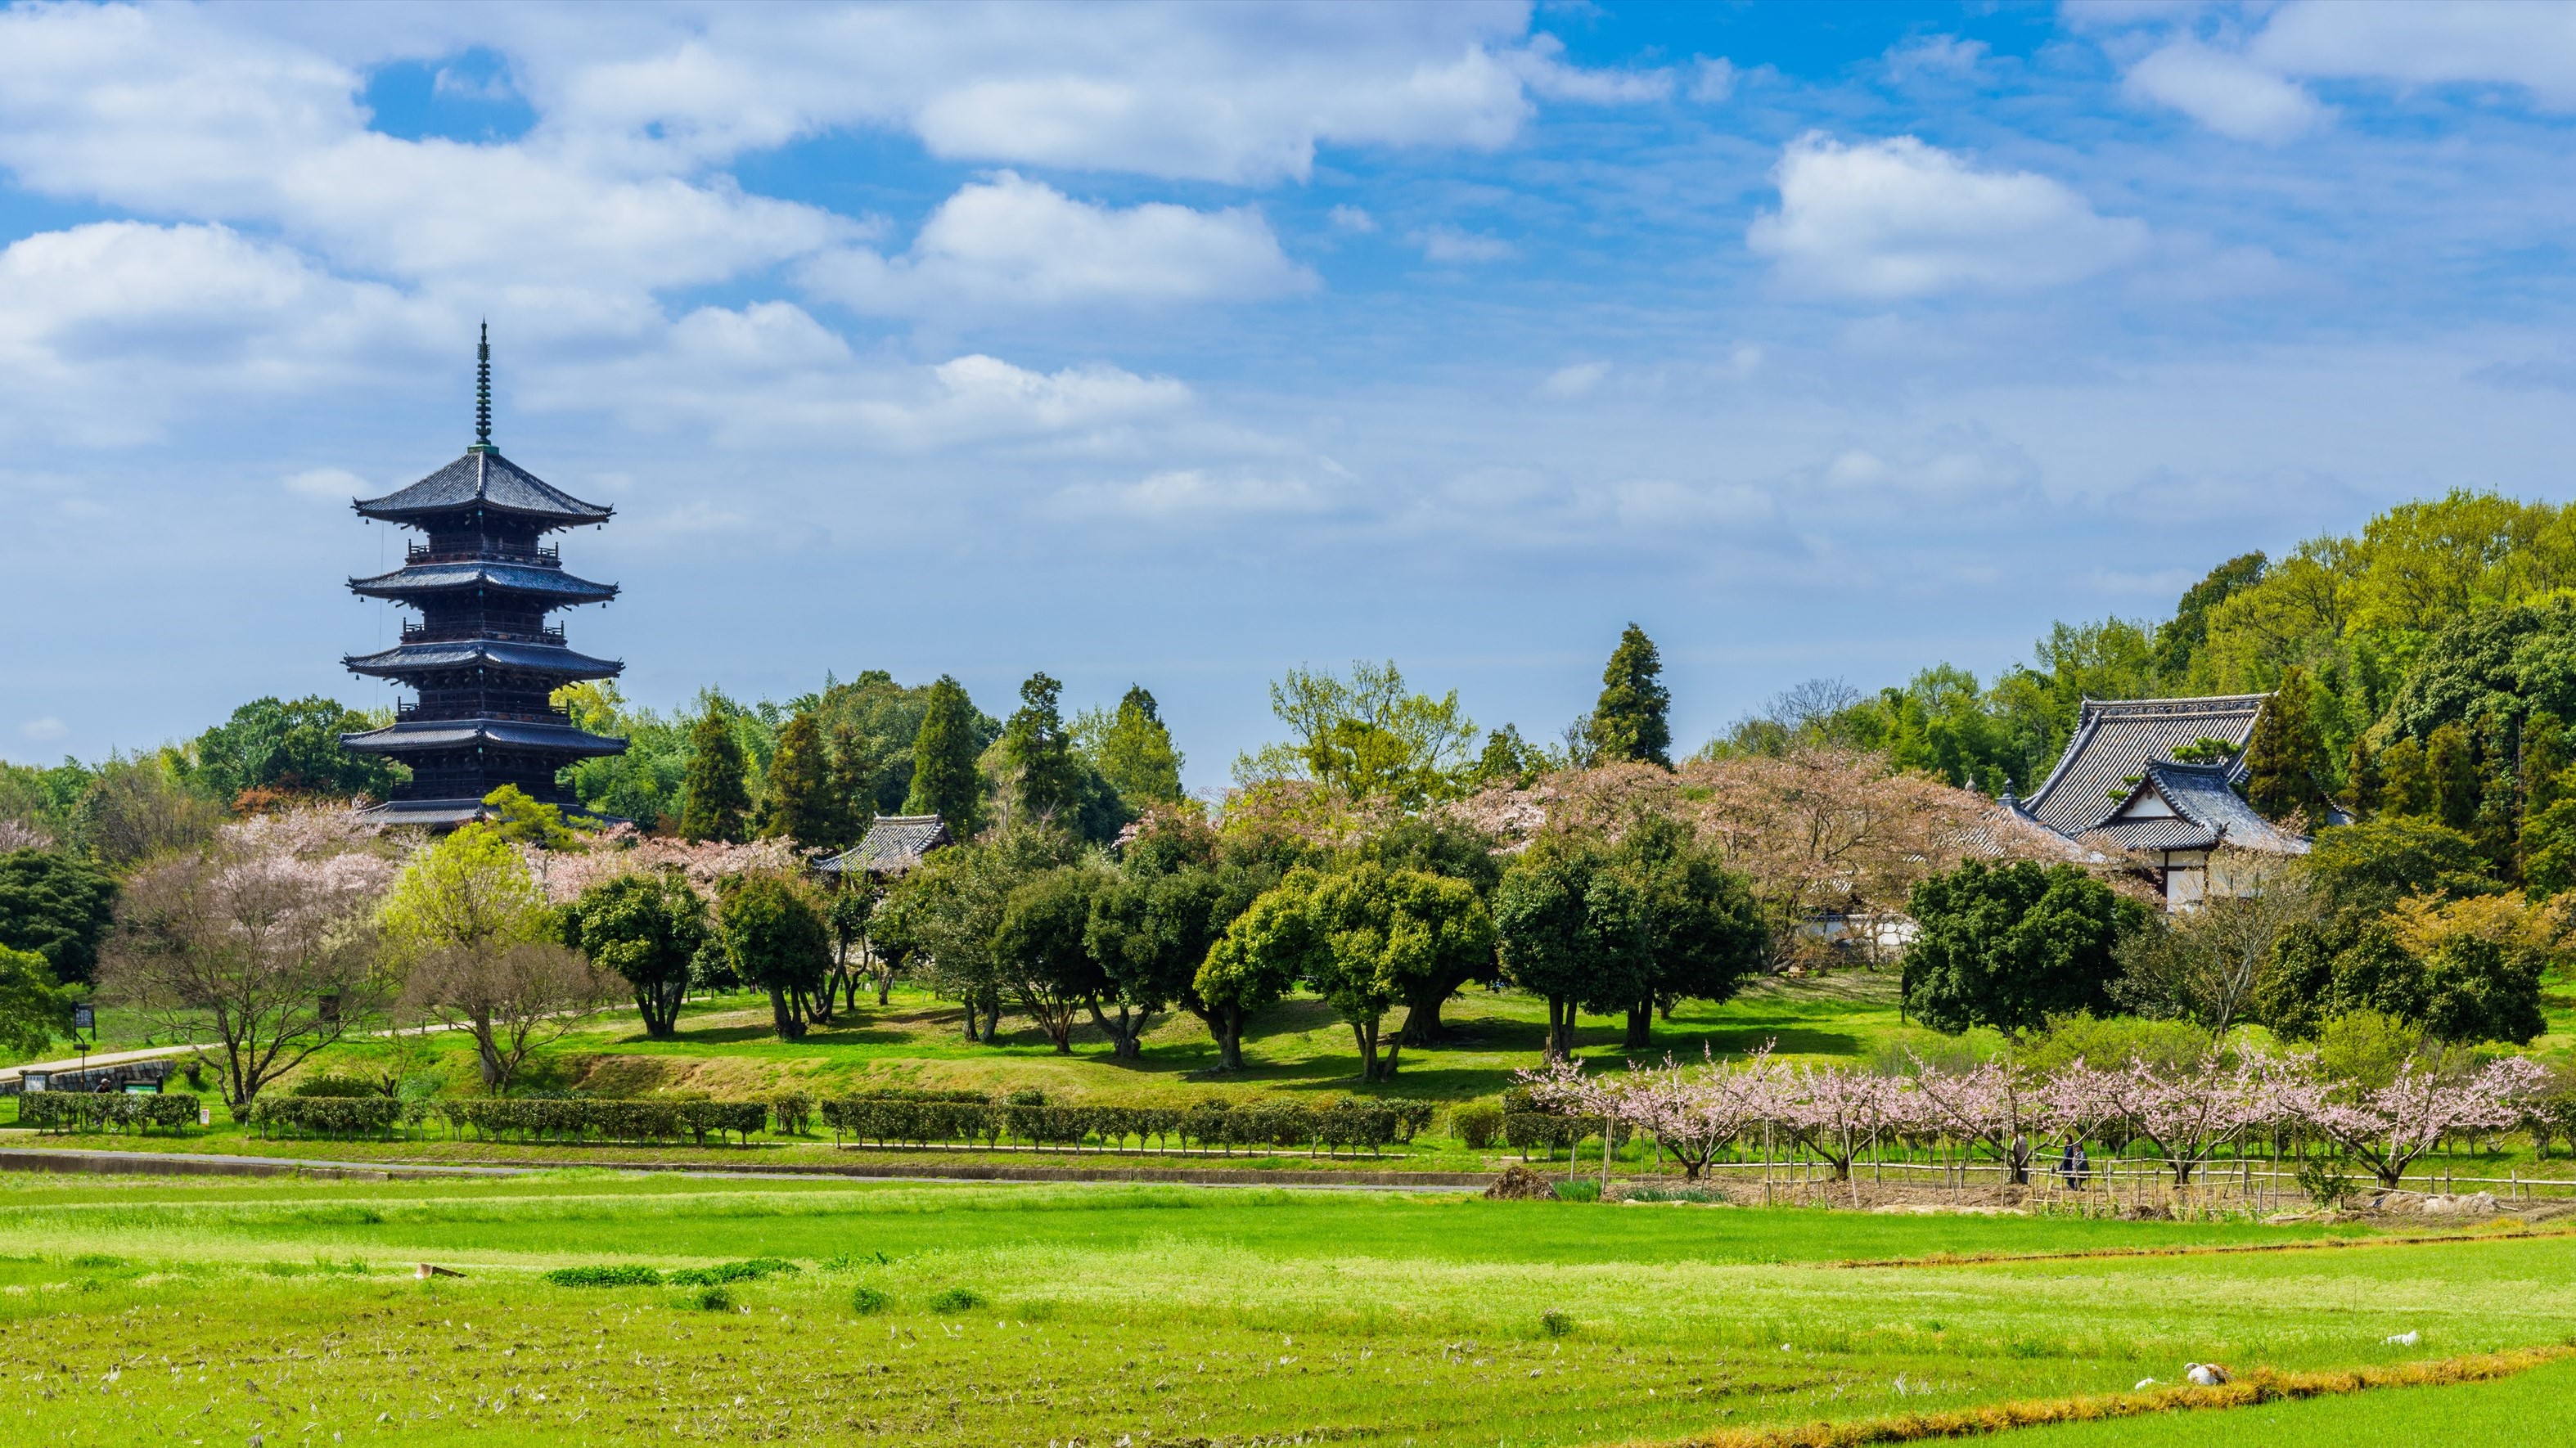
{"points": [[791, 1026], [1366, 1036], [488, 1055], [1394, 1047], [1123, 1032], [1641, 1026], [1226, 1024], [1560, 1027]]}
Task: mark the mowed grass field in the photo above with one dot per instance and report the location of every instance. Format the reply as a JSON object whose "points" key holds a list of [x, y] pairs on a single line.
{"points": [[208, 1312]]}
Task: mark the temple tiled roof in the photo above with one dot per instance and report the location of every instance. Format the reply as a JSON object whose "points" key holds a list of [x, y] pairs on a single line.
{"points": [[2189, 807], [2115, 740], [421, 734], [892, 845], [484, 478], [552, 659], [552, 583]]}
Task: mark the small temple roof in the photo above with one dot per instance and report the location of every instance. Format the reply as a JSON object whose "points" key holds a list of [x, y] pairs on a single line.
{"points": [[485, 479], [420, 734], [551, 583], [2115, 740], [892, 845], [552, 659], [2189, 807]]}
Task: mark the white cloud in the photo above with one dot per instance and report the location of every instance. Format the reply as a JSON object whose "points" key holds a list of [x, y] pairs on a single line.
{"points": [[1012, 242], [1567, 383], [2225, 92], [41, 730], [1712, 79], [2475, 41], [1187, 494], [1935, 55], [1448, 244], [334, 485], [1898, 218], [1351, 219], [1662, 503], [1541, 64]]}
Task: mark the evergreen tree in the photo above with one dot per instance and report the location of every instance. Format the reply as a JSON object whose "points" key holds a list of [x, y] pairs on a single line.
{"points": [[2362, 781], [2451, 773], [2405, 790], [2499, 814], [801, 804], [718, 803], [2284, 758], [853, 786], [1044, 783], [2544, 759], [1136, 753], [1630, 722], [944, 778]]}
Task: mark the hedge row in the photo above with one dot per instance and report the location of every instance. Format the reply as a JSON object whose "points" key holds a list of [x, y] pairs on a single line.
{"points": [[1526, 1129], [887, 1120], [90, 1111], [610, 1120], [325, 1115]]}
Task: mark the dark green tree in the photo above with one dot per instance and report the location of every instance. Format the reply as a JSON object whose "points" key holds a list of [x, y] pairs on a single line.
{"points": [[1134, 753], [854, 800], [58, 907], [803, 804], [775, 940], [1178, 890], [34, 1010], [1631, 722], [1572, 927], [717, 802], [1265, 951], [2010, 945], [2285, 759], [2477, 989], [1043, 950], [2451, 771], [2179, 639], [1508, 761], [945, 781], [1704, 934], [291, 747], [1385, 936], [2365, 869], [646, 927], [1044, 781]]}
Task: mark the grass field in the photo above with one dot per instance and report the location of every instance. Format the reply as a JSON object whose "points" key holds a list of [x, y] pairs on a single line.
{"points": [[190, 1311]]}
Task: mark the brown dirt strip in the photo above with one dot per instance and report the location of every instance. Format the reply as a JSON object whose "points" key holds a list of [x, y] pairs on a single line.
{"points": [[2186, 1249], [2263, 1385]]}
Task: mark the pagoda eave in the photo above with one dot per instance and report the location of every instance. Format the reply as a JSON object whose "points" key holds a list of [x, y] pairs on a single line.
{"points": [[546, 660], [423, 736]]}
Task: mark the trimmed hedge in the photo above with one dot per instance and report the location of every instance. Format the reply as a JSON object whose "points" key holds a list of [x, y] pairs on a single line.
{"points": [[889, 1119], [609, 1120], [59, 1111], [324, 1115], [1525, 1129]]}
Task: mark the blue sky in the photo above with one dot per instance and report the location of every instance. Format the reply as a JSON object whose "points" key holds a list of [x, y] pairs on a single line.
{"points": [[1183, 345]]}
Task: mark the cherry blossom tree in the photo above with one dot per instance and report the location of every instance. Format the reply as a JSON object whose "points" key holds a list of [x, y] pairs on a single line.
{"points": [[2389, 1128], [1992, 1103], [1833, 1111], [2188, 1113]]}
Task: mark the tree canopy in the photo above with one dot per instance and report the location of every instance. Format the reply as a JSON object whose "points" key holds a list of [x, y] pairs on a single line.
{"points": [[1631, 723], [2010, 945], [57, 906]]}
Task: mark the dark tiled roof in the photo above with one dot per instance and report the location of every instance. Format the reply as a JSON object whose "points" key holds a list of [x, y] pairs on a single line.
{"points": [[485, 479], [892, 845], [552, 659], [2207, 812], [478, 573], [442, 813], [415, 734], [2114, 741]]}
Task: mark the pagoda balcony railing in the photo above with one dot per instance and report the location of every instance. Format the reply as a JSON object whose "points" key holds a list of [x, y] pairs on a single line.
{"points": [[424, 633], [411, 710], [486, 551]]}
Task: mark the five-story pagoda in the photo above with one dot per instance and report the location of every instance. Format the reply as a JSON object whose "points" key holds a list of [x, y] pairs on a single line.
{"points": [[482, 656]]}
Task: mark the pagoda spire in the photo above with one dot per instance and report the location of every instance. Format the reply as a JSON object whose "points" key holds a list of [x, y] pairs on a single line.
{"points": [[483, 391]]}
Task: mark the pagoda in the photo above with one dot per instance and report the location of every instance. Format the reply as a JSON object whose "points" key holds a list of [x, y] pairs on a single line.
{"points": [[482, 657]]}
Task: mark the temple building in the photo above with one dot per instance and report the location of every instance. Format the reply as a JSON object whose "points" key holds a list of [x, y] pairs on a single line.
{"points": [[2153, 782], [482, 657]]}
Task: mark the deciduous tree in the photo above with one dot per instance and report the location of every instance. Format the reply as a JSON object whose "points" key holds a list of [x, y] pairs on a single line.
{"points": [[775, 940], [646, 927], [2010, 945]]}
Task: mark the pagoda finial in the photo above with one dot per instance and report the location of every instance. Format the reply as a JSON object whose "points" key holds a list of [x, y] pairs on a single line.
{"points": [[483, 391]]}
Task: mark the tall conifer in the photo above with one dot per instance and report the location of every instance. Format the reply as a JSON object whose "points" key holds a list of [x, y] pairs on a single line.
{"points": [[945, 781], [1136, 752], [800, 806], [718, 802], [2284, 758], [1044, 783], [1630, 723]]}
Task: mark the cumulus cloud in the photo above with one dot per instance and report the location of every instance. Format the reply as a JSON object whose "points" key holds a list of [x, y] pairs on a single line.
{"points": [[1897, 218], [1542, 65], [1449, 244], [1181, 495], [1012, 242], [2472, 41], [2225, 92]]}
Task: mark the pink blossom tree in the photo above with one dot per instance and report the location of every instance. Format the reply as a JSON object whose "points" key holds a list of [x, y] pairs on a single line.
{"points": [[1833, 1111], [2191, 1111], [2389, 1128], [1992, 1104]]}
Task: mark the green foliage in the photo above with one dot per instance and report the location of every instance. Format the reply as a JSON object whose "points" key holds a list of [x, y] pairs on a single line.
{"points": [[711, 1299], [2111, 1042], [523, 820], [873, 723], [1509, 761], [325, 1115], [1631, 723], [624, 1274], [945, 781], [2179, 640], [753, 1270], [804, 802], [1133, 751], [2011, 945], [1571, 926], [2367, 1048], [1388, 936], [868, 1301], [59, 1111], [2483, 990], [716, 799], [2285, 760], [1477, 1125], [775, 940], [956, 1299], [57, 906], [1041, 780], [34, 1010], [326, 1084], [291, 748], [2352, 962], [1370, 736], [1264, 951], [589, 1120], [468, 891], [644, 784], [2369, 867], [647, 928]]}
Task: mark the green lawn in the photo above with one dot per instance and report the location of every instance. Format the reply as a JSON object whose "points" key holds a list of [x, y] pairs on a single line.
{"points": [[186, 1310], [2537, 1407]]}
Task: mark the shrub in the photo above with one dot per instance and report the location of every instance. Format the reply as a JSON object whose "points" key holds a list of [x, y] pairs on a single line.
{"points": [[1525, 1129], [331, 1115], [956, 1299], [793, 1111], [723, 1272], [1555, 1323], [867, 1301], [580, 1120], [1580, 1189], [85, 1111], [711, 1299], [329, 1085], [2326, 1182], [623, 1275], [1477, 1124], [1026, 1096]]}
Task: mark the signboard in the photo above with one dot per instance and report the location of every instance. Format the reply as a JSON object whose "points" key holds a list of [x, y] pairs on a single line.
{"points": [[84, 1019]]}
